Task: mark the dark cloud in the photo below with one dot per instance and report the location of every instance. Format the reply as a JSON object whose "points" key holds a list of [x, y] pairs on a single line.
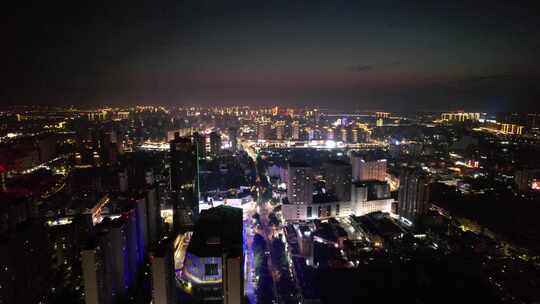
{"points": [[361, 68], [370, 67], [483, 78]]}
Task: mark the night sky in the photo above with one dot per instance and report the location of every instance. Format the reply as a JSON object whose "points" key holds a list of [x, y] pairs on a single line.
{"points": [[346, 54]]}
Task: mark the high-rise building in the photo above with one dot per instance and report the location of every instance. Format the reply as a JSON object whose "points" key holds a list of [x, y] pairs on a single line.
{"points": [[109, 261], [316, 116], [299, 183], [153, 214], [298, 204], [3, 186], [353, 135], [110, 145], [338, 179], [460, 116], [114, 244], [135, 257], [123, 181], [413, 195], [296, 130], [184, 183], [92, 273], [163, 274], [366, 167], [215, 143], [343, 135], [507, 128], [25, 256], [141, 212], [149, 177], [199, 140], [214, 259], [233, 138], [280, 130], [262, 131], [382, 114], [318, 134], [329, 134]]}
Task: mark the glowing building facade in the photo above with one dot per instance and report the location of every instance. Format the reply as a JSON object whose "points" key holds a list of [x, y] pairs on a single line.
{"points": [[214, 260], [460, 116]]}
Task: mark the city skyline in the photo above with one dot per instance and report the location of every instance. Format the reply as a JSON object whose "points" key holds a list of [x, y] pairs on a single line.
{"points": [[261, 205], [269, 152]]}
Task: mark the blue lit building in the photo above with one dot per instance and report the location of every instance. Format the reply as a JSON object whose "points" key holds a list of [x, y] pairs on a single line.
{"points": [[214, 259]]}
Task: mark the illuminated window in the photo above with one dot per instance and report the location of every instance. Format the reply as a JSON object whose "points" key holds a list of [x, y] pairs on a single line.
{"points": [[211, 269]]}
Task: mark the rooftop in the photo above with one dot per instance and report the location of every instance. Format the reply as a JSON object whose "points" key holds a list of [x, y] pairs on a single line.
{"points": [[218, 231]]}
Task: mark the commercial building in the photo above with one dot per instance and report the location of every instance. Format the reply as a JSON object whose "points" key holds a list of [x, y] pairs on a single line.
{"points": [[318, 210], [370, 196], [360, 197], [214, 260], [301, 204]]}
